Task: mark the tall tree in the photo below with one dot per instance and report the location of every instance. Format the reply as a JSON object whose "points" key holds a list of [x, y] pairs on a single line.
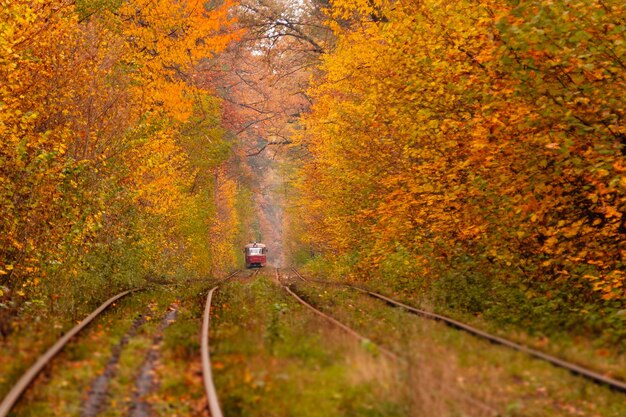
{"points": [[474, 139]]}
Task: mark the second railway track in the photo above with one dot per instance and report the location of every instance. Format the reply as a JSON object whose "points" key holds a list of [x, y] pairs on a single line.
{"points": [[463, 396], [29, 376], [336, 322], [576, 369]]}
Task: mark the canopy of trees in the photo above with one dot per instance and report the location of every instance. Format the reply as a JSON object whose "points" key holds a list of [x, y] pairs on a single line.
{"points": [[473, 151], [476, 142], [110, 146]]}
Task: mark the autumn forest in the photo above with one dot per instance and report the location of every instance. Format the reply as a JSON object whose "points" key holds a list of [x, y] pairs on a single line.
{"points": [[467, 157]]}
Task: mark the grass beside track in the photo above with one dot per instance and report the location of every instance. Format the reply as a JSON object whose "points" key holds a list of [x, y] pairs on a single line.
{"points": [[273, 357], [447, 364]]}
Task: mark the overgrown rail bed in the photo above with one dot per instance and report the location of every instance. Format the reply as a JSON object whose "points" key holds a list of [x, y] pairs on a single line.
{"points": [[141, 358], [572, 367], [207, 375], [29, 376], [506, 379], [270, 353], [272, 356], [476, 407]]}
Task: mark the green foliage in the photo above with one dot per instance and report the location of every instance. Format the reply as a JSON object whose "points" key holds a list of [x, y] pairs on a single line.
{"points": [[274, 332], [87, 8]]}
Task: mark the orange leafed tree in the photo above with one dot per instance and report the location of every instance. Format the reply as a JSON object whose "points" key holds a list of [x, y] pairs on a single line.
{"points": [[475, 141], [100, 108]]}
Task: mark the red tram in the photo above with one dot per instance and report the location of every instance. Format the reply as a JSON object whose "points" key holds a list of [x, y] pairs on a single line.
{"points": [[255, 255]]}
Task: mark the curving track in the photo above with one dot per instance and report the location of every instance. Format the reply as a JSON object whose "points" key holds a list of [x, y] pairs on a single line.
{"points": [[484, 407], [572, 367], [207, 375], [29, 376], [26, 380], [336, 322]]}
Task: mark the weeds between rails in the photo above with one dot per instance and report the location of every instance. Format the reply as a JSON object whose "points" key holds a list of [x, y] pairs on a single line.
{"points": [[207, 375], [271, 356], [587, 373], [468, 399], [27, 379], [345, 328]]}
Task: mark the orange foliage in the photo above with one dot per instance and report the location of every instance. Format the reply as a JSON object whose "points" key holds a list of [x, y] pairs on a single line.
{"points": [[473, 130], [95, 170]]}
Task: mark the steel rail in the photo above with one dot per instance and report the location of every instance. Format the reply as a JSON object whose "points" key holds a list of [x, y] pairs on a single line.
{"points": [[229, 276], [339, 324], [466, 397], [207, 375], [561, 363], [27, 378], [298, 274]]}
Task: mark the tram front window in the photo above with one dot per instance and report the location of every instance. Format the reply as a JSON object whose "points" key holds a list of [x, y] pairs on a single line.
{"points": [[255, 251]]}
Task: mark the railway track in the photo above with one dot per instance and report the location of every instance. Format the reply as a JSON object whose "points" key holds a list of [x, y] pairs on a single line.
{"points": [[584, 372], [207, 374], [336, 322], [29, 376], [478, 404], [399, 357]]}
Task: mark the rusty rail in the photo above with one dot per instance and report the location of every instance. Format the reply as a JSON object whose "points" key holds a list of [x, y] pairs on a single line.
{"points": [[572, 367], [207, 374], [484, 407], [28, 377], [339, 324]]}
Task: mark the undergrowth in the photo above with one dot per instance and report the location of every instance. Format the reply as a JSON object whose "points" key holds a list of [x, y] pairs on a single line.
{"points": [[446, 366], [272, 357]]}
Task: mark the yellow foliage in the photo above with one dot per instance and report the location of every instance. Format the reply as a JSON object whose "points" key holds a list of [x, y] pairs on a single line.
{"points": [[471, 129], [91, 109], [225, 224]]}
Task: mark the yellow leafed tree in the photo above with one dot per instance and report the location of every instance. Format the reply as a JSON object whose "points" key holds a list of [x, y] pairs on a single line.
{"points": [[100, 108], [473, 142]]}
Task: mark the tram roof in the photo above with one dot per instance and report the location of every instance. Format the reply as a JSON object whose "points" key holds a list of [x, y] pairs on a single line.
{"points": [[255, 245]]}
